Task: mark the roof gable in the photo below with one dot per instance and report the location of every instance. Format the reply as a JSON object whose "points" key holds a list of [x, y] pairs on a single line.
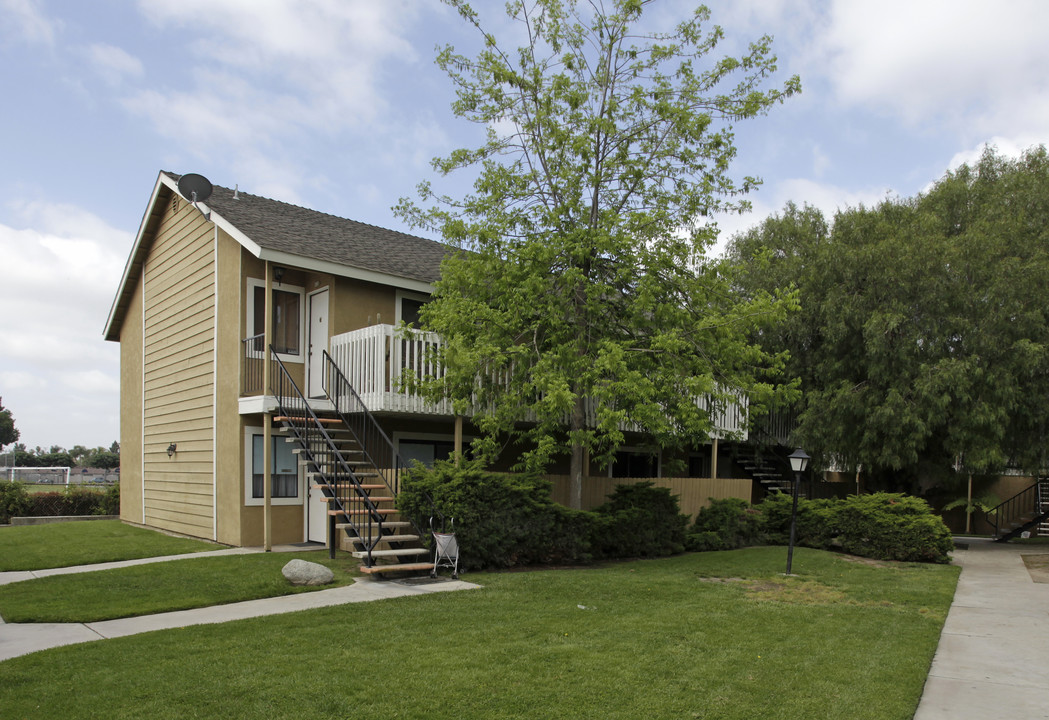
{"points": [[293, 235]]}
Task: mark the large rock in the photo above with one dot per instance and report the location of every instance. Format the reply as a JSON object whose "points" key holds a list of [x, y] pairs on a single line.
{"points": [[300, 572]]}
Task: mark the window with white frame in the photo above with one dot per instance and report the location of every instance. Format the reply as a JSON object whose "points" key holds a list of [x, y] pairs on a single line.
{"points": [[289, 307], [285, 487]]}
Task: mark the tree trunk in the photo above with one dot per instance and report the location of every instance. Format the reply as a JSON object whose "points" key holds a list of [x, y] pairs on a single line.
{"points": [[575, 471]]}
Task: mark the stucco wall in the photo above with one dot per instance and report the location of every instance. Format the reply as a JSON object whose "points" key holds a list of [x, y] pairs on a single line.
{"points": [[131, 411]]}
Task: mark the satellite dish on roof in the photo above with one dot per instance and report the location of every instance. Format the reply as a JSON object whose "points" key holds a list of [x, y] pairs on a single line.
{"points": [[195, 188]]}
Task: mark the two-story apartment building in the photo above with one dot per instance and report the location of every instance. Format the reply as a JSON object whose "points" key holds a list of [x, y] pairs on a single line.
{"points": [[207, 287]]}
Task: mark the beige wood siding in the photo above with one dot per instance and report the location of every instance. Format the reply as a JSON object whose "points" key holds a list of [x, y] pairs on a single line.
{"points": [[693, 493], [179, 371]]}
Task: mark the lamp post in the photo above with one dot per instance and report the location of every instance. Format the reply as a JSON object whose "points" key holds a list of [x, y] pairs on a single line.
{"points": [[799, 460]]}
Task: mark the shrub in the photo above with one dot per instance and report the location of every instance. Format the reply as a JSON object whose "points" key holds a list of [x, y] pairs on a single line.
{"points": [[892, 526], [14, 500], [110, 504], [639, 520], [724, 525], [500, 520], [815, 524], [882, 526], [504, 520], [80, 500], [74, 500]]}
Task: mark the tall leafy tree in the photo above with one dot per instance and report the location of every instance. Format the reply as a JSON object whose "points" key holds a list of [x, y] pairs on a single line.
{"points": [[581, 293], [923, 339], [8, 432]]}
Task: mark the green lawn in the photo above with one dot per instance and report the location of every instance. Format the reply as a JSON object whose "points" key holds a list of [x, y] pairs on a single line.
{"points": [[709, 635], [160, 587], [36, 547]]}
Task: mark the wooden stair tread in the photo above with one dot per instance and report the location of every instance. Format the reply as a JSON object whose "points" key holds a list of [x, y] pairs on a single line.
{"points": [[300, 451], [388, 538], [373, 499], [302, 419], [403, 567], [386, 524], [378, 511], [391, 553], [346, 486]]}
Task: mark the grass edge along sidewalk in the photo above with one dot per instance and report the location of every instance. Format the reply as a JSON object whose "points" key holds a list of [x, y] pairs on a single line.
{"points": [[181, 584], [54, 545], [708, 635]]}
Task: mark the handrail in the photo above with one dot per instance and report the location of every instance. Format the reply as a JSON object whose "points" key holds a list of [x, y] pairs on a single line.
{"points": [[253, 353], [1020, 503], [376, 444], [328, 463]]}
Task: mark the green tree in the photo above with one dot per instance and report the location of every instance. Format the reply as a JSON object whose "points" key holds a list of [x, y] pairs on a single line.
{"points": [[55, 459], [103, 459], [80, 453], [581, 291], [26, 459], [8, 432], [923, 340]]}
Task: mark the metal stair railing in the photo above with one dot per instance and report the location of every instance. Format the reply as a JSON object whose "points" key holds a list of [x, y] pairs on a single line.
{"points": [[1043, 504], [1009, 516], [378, 449], [329, 466]]}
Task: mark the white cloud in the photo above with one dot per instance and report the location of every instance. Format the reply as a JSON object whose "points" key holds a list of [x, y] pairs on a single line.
{"points": [[974, 65], [25, 19], [263, 81], [114, 64], [60, 273], [318, 60]]}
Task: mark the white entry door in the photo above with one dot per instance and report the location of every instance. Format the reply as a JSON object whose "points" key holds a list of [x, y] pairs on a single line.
{"points": [[317, 342], [317, 522]]}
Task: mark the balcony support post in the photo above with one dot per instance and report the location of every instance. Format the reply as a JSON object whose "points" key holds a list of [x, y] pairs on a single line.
{"points": [[267, 418], [458, 439], [714, 458]]}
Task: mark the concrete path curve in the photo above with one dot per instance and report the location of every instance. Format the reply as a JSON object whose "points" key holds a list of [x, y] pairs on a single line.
{"points": [[23, 638], [993, 656]]}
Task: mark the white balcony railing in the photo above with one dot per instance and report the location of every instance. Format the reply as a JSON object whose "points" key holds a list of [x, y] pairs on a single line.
{"points": [[373, 359]]}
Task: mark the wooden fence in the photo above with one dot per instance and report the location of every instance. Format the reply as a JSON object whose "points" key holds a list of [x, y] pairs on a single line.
{"points": [[692, 493]]}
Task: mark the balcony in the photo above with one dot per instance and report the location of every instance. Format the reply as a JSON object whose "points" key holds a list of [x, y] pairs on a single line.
{"points": [[374, 359]]}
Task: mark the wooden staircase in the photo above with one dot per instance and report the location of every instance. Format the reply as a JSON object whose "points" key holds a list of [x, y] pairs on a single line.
{"points": [[348, 458], [765, 470], [361, 506]]}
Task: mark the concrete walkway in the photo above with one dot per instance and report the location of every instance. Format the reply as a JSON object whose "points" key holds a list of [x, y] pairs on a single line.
{"points": [[24, 638], [993, 656]]}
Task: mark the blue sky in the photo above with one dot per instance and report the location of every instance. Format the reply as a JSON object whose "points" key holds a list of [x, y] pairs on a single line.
{"points": [[336, 105]]}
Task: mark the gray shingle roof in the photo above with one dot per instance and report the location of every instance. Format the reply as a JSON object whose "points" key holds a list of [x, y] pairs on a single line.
{"points": [[296, 230]]}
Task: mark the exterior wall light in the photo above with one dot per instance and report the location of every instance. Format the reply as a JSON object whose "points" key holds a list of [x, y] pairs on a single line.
{"points": [[171, 449]]}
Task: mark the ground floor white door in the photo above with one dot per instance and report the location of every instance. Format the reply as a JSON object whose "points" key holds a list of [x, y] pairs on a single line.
{"points": [[317, 343], [316, 517]]}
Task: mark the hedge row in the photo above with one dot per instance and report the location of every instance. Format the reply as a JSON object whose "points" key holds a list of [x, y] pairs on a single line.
{"points": [[15, 501], [510, 520], [883, 526]]}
